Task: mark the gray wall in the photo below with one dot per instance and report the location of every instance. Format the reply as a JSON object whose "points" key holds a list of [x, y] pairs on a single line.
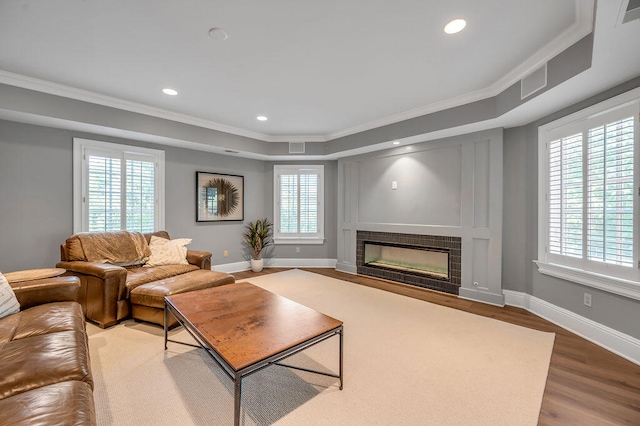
{"points": [[520, 243], [36, 199], [448, 187]]}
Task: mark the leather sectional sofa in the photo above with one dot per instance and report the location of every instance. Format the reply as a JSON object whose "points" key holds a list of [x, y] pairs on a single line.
{"points": [[45, 375], [108, 287]]}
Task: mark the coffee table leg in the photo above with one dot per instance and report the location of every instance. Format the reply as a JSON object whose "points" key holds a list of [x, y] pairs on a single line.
{"points": [[237, 396], [166, 325], [341, 333]]}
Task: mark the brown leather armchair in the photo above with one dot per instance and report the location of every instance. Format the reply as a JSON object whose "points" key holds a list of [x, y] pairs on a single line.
{"points": [[105, 288], [45, 374]]}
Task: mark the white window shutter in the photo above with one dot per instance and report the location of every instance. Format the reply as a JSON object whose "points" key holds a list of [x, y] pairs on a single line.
{"points": [[610, 191]]}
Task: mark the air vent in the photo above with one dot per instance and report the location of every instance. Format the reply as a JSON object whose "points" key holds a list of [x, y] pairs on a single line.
{"points": [[535, 81], [632, 12], [296, 147]]}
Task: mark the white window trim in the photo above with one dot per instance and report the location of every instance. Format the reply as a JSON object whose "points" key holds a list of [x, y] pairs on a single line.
{"points": [[79, 188], [284, 240], [624, 287]]}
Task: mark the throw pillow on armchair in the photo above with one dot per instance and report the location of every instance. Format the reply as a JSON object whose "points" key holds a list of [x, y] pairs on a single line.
{"points": [[168, 252], [8, 302]]}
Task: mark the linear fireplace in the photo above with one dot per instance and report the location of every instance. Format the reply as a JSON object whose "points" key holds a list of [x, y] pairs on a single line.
{"points": [[410, 259], [428, 261]]}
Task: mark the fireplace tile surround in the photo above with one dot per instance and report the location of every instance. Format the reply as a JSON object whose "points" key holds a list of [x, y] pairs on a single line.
{"points": [[451, 244]]}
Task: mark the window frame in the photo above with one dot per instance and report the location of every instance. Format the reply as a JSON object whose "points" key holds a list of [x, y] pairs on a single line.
{"points": [[300, 239], [624, 281], [80, 178]]}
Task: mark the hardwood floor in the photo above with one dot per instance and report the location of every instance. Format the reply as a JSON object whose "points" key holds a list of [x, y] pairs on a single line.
{"points": [[586, 385]]}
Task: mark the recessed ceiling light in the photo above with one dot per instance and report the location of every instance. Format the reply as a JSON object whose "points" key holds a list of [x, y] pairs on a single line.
{"points": [[170, 92], [396, 142], [261, 118], [455, 26], [218, 34]]}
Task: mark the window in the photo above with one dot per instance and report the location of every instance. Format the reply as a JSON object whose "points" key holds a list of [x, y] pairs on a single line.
{"points": [[298, 204], [117, 187], [589, 212]]}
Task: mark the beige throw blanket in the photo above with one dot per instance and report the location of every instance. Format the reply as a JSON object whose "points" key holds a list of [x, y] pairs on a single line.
{"points": [[119, 247]]}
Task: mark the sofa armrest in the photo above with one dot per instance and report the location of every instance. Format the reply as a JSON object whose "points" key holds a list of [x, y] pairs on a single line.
{"points": [[99, 270], [46, 290], [201, 259]]}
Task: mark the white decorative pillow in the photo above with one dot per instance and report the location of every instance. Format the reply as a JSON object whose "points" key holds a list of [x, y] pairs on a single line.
{"points": [[168, 252], [8, 302]]}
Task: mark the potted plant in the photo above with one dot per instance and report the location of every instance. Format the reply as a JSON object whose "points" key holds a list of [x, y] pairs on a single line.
{"points": [[258, 236]]}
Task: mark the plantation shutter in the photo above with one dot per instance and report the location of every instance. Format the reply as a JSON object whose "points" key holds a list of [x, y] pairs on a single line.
{"points": [[308, 203], [121, 192], [565, 196], [104, 197], [298, 204], [288, 203], [141, 196], [610, 193], [591, 194]]}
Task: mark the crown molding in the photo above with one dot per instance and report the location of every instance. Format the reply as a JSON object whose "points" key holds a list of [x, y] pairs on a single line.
{"points": [[51, 88], [297, 138], [582, 26]]}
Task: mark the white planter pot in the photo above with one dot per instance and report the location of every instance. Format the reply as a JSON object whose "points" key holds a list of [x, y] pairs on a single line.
{"points": [[257, 265]]}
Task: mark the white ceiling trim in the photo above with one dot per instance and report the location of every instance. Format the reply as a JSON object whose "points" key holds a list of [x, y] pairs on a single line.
{"points": [[51, 88], [582, 26]]}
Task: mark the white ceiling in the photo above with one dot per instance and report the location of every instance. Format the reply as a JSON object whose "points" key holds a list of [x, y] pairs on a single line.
{"points": [[318, 71]]}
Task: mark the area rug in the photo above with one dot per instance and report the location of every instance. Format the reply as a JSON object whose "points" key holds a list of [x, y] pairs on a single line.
{"points": [[406, 362]]}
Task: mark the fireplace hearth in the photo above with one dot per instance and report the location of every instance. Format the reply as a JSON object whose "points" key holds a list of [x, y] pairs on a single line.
{"points": [[427, 261]]}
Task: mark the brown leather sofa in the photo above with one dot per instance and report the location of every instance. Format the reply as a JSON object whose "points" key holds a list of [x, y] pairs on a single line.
{"points": [[106, 288], [45, 375]]}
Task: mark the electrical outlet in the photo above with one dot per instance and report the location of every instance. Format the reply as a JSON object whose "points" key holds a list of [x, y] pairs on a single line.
{"points": [[587, 299], [297, 249], [225, 253]]}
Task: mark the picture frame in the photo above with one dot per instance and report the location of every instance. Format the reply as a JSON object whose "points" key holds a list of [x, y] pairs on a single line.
{"points": [[219, 197]]}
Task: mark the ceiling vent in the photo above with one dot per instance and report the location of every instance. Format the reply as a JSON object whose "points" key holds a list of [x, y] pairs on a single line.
{"points": [[296, 147], [535, 81], [632, 11]]}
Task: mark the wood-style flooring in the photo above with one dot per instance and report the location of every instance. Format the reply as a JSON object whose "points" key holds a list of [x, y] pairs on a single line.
{"points": [[587, 385]]}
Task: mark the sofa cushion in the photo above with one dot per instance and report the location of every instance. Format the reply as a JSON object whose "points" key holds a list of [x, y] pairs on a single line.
{"points": [[152, 294], [141, 275], [74, 249], [37, 361], [168, 252], [65, 403], [8, 302], [42, 319]]}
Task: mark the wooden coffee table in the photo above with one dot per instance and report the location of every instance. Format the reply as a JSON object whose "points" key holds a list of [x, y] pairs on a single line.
{"points": [[245, 328]]}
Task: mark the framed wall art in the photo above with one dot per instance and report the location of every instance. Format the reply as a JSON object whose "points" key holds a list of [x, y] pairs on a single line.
{"points": [[219, 197]]}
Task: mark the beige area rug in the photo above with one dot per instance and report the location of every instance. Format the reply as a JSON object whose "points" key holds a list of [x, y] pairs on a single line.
{"points": [[406, 362]]}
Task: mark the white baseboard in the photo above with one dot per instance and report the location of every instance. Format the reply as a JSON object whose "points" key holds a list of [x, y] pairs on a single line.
{"points": [[612, 340], [230, 268], [481, 296], [349, 269], [276, 263]]}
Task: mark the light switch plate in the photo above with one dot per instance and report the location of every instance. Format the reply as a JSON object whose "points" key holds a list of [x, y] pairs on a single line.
{"points": [[394, 184]]}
